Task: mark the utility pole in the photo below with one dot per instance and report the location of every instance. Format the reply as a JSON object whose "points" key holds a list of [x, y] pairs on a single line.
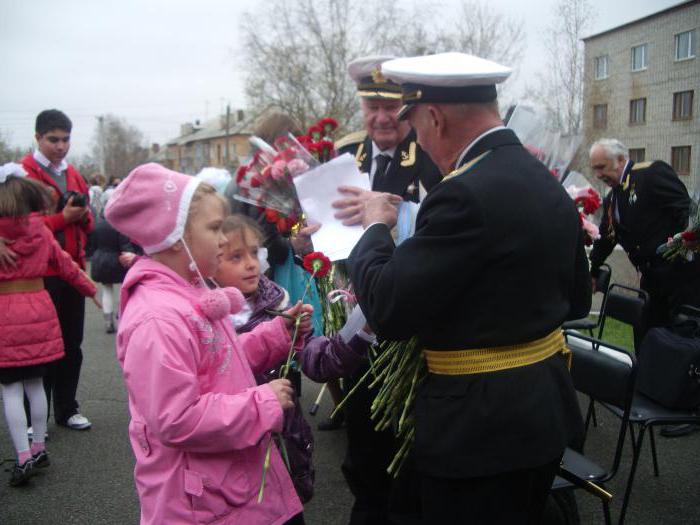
{"points": [[228, 125], [101, 124]]}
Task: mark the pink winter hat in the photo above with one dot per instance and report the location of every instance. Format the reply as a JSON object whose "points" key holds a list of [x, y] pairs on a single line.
{"points": [[150, 206]]}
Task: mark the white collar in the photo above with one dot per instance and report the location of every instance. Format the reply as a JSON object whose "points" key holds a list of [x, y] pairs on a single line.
{"points": [[376, 151], [41, 159], [477, 139]]}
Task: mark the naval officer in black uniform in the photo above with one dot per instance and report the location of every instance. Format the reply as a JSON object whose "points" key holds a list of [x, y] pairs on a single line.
{"points": [[386, 149], [497, 264], [648, 204]]}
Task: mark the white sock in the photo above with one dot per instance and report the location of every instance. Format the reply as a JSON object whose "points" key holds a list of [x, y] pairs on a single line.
{"points": [[107, 299], [13, 400], [34, 388]]}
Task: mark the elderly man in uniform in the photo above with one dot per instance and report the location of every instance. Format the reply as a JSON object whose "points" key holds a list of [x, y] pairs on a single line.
{"points": [[496, 265], [647, 205], [387, 151]]}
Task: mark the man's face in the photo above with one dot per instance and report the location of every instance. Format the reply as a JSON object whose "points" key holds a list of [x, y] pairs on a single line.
{"points": [[381, 123], [54, 145], [607, 170]]}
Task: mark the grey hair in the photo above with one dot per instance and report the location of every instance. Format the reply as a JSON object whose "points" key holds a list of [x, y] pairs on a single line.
{"points": [[613, 148]]}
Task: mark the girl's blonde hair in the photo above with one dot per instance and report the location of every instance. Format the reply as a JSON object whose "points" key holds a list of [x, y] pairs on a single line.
{"points": [[198, 196], [239, 222], [20, 196]]}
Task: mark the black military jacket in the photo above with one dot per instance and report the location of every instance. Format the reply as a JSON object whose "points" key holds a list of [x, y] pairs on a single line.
{"points": [[497, 259], [409, 166], [652, 204]]}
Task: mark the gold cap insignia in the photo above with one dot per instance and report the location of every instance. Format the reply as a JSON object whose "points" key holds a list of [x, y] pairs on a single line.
{"points": [[377, 76]]}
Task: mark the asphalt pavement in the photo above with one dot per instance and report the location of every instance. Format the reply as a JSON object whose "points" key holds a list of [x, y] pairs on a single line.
{"points": [[90, 480]]}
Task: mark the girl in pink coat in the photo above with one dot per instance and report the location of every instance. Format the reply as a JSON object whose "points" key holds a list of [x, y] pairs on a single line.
{"points": [[30, 335], [200, 426]]}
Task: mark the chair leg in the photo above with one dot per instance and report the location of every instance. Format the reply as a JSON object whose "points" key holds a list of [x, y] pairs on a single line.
{"points": [[652, 441], [633, 471], [632, 439], [606, 512]]}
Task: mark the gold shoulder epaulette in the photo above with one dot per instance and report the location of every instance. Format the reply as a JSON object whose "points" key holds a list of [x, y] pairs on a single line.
{"points": [[641, 165], [351, 138]]}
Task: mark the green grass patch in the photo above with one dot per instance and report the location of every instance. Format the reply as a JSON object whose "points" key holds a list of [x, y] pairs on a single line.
{"points": [[617, 333]]}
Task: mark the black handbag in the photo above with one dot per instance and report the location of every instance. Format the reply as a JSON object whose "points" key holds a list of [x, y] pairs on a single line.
{"points": [[669, 365]]}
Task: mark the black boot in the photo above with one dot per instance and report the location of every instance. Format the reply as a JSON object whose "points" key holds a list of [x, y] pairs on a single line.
{"points": [[109, 323]]}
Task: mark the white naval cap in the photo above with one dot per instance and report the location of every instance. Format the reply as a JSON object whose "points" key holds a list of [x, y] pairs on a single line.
{"points": [[445, 78], [366, 72]]}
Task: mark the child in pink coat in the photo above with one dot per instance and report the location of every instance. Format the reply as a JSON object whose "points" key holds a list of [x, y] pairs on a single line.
{"points": [[200, 426], [30, 335]]}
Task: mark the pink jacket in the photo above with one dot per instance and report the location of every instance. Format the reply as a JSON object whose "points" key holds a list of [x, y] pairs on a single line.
{"points": [[29, 329], [200, 426]]}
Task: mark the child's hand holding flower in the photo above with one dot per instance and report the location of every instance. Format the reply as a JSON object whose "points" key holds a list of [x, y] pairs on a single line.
{"points": [[301, 311]]}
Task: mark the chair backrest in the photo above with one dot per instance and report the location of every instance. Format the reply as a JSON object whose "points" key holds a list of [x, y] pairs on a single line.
{"points": [[627, 305], [607, 379]]}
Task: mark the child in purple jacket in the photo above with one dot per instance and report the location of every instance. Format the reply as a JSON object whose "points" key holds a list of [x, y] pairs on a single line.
{"points": [[322, 359]]}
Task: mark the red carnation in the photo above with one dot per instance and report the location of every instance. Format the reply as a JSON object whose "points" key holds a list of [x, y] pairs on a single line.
{"points": [[689, 236], [256, 181], [315, 132], [304, 140], [240, 173], [317, 264], [271, 215], [328, 124]]}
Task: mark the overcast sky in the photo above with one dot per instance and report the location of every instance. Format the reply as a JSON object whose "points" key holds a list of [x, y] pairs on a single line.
{"points": [[159, 63]]}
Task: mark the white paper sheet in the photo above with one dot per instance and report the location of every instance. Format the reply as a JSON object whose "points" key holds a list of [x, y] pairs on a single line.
{"points": [[317, 189]]}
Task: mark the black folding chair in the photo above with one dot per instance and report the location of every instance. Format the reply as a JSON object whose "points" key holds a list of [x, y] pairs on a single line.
{"points": [[647, 414], [610, 380], [626, 305], [602, 284]]}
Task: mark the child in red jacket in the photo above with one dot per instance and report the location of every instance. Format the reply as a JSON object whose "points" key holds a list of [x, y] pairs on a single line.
{"points": [[30, 335]]}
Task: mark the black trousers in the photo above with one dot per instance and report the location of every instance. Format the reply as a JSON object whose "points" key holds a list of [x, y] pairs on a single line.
{"points": [[64, 374], [512, 497]]}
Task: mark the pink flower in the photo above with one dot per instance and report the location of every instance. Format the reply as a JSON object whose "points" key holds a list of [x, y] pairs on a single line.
{"points": [[278, 169], [590, 229], [296, 167]]}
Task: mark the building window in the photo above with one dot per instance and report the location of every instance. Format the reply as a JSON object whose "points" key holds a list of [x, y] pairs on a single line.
{"points": [[637, 154], [680, 159], [601, 67], [600, 116], [639, 57], [685, 45], [638, 111], [683, 105]]}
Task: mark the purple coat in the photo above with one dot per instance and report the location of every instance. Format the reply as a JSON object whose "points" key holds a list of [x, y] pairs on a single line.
{"points": [[322, 359]]}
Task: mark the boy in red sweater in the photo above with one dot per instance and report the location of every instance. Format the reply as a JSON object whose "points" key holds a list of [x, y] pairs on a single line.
{"points": [[70, 224]]}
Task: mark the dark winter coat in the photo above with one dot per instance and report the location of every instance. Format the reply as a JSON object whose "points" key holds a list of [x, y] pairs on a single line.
{"points": [[104, 262]]}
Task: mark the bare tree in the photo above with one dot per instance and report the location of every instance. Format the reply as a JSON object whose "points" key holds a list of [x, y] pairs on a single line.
{"points": [[10, 153], [561, 90], [122, 144], [297, 51]]}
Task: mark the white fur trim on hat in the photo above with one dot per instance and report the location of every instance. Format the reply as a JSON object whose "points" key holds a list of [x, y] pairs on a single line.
{"points": [[181, 220], [11, 168]]}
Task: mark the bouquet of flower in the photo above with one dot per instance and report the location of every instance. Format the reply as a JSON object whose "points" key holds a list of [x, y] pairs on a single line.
{"points": [[587, 201], [396, 370], [685, 244], [266, 181]]}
